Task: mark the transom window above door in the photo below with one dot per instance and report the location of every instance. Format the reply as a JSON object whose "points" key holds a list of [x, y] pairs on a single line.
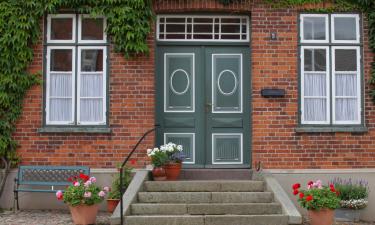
{"points": [[331, 75], [75, 70], [202, 28]]}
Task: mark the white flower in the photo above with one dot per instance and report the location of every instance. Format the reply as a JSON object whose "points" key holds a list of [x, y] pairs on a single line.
{"points": [[149, 151], [179, 148]]}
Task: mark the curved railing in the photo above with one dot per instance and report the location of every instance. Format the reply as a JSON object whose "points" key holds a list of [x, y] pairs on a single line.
{"points": [[123, 165]]}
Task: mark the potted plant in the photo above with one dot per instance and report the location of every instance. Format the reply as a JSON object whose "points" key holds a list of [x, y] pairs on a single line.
{"points": [[353, 198], [83, 197], [175, 157], [158, 160], [115, 193], [319, 200]]}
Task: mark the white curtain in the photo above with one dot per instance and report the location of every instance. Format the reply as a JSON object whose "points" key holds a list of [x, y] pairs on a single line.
{"points": [[91, 97], [315, 101], [346, 97], [60, 97]]}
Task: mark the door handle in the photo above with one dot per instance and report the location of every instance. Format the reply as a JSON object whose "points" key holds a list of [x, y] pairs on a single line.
{"points": [[208, 106]]}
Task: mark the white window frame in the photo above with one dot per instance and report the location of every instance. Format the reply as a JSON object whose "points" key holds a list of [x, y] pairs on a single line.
{"points": [[325, 16], [241, 17], [48, 57], [302, 64], [358, 35], [79, 72], [53, 16], [82, 16], [358, 74]]}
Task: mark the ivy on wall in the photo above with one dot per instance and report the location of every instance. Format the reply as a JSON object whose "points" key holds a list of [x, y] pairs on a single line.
{"points": [[128, 24]]}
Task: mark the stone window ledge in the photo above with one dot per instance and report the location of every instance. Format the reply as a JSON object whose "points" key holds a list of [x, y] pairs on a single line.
{"points": [[334, 129], [98, 130]]}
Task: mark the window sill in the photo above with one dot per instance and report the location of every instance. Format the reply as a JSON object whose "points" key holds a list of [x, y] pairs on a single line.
{"points": [[349, 129], [97, 130]]}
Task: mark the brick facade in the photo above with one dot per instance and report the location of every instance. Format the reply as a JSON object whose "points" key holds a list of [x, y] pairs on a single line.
{"points": [[132, 97]]}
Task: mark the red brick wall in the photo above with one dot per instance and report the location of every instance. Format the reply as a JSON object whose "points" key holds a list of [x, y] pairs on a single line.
{"points": [[274, 140]]}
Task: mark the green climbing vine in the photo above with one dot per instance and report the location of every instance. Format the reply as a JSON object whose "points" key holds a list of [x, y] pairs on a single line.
{"points": [[128, 24]]}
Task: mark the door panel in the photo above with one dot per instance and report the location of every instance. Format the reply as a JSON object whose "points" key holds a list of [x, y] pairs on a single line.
{"points": [[203, 103]]}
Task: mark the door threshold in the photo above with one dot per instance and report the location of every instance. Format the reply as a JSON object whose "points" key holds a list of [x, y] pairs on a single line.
{"points": [[216, 174]]}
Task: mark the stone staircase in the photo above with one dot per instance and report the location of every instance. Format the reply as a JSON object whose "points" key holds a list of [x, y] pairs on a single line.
{"points": [[224, 202]]}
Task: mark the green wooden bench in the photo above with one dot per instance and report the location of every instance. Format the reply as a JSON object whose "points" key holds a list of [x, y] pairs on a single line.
{"points": [[45, 179]]}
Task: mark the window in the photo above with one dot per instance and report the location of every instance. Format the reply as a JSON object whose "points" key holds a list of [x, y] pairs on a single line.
{"points": [[330, 69], [75, 70], [202, 28]]}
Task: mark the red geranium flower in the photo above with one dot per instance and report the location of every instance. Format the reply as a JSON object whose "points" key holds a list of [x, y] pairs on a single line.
{"points": [[133, 161], [84, 177], [295, 192], [337, 193], [296, 186], [301, 195], [309, 198]]}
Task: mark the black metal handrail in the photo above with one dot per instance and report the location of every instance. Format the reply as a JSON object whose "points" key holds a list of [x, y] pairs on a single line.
{"points": [[123, 165]]}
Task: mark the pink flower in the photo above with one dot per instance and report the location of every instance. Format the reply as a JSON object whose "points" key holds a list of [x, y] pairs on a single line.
{"points": [[92, 179], [106, 189], [59, 195], [76, 184], [101, 194], [318, 184], [87, 194], [87, 183]]}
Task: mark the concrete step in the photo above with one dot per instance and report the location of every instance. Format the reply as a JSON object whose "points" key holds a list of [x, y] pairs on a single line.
{"points": [[205, 197], [216, 174], [203, 186], [208, 220], [206, 209]]}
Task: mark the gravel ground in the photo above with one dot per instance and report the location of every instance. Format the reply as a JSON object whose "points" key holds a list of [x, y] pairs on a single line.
{"points": [[54, 217]]}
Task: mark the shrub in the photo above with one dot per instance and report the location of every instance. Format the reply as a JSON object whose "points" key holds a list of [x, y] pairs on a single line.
{"points": [[317, 196], [353, 194], [82, 191]]}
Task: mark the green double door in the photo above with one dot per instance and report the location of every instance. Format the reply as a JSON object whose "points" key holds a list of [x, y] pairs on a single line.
{"points": [[203, 103]]}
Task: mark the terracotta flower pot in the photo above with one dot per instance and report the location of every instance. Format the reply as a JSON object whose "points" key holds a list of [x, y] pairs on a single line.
{"points": [[158, 173], [111, 204], [321, 217], [172, 170], [84, 214]]}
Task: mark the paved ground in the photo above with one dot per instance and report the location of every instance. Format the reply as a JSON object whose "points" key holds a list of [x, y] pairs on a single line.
{"points": [[44, 217], [51, 217]]}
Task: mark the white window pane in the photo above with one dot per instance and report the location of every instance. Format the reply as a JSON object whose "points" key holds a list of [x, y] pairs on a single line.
{"points": [[92, 60], [346, 85], [91, 110], [91, 85], [346, 109], [314, 28], [60, 109], [315, 110], [315, 60], [345, 28], [60, 85], [315, 84], [345, 60], [61, 29]]}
